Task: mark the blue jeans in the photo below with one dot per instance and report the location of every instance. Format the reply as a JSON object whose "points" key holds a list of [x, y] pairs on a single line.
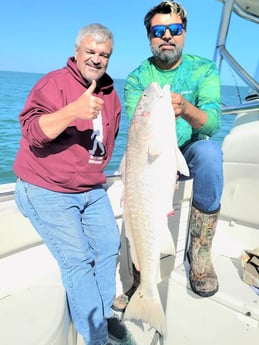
{"points": [[82, 234], [205, 161]]}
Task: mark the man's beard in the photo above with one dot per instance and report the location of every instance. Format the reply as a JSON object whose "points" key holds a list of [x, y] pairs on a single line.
{"points": [[167, 56]]}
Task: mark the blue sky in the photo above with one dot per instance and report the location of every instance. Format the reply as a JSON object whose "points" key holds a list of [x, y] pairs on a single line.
{"points": [[38, 36]]}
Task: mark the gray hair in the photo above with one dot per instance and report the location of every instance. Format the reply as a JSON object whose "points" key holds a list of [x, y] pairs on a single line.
{"points": [[96, 31]]}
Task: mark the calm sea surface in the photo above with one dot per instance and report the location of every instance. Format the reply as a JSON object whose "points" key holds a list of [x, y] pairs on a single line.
{"points": [[15, 87]]}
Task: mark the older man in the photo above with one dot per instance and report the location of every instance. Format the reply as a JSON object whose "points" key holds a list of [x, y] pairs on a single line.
{"points": [[69, 124]]}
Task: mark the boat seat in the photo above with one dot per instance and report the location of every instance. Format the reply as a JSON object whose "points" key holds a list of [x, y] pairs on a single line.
{"points": [[241, 171], [33, 305], [36, 315], [239, 216]]}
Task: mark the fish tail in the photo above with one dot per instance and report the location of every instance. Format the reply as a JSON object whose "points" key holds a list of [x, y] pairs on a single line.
{"points": [[148, 308]]}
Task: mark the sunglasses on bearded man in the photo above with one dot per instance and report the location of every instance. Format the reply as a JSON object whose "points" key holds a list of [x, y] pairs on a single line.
{"points": [[159, 30]]}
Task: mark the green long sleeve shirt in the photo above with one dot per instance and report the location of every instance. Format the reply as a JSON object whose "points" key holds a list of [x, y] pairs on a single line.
{"points": [[196, 78]]}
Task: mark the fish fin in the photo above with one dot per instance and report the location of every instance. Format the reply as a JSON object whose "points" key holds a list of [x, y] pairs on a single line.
{"points": [[133, 252], [181, 163], [122, 168], [167, 246], [121, 171], [171, 213], [153, 150], [122, 199], [166, 90], [134, 257], [130, 238], [146, 305]]}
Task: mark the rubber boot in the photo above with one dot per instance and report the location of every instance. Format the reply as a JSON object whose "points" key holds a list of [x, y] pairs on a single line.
{"points": [[203, 278], [120, 302]]}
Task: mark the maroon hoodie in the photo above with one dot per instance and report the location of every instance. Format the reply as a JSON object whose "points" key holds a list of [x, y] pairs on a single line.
{"points": [[75, 160]]}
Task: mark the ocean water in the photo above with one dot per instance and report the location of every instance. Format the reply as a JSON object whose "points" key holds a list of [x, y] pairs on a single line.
{"points": [[15, 87]]}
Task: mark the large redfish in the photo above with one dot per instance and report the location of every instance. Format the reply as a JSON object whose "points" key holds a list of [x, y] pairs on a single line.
{"points": [[149, 171]]}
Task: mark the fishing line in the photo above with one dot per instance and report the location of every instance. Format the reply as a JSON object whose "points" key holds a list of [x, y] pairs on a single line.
{"points": [[236, 85]]}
